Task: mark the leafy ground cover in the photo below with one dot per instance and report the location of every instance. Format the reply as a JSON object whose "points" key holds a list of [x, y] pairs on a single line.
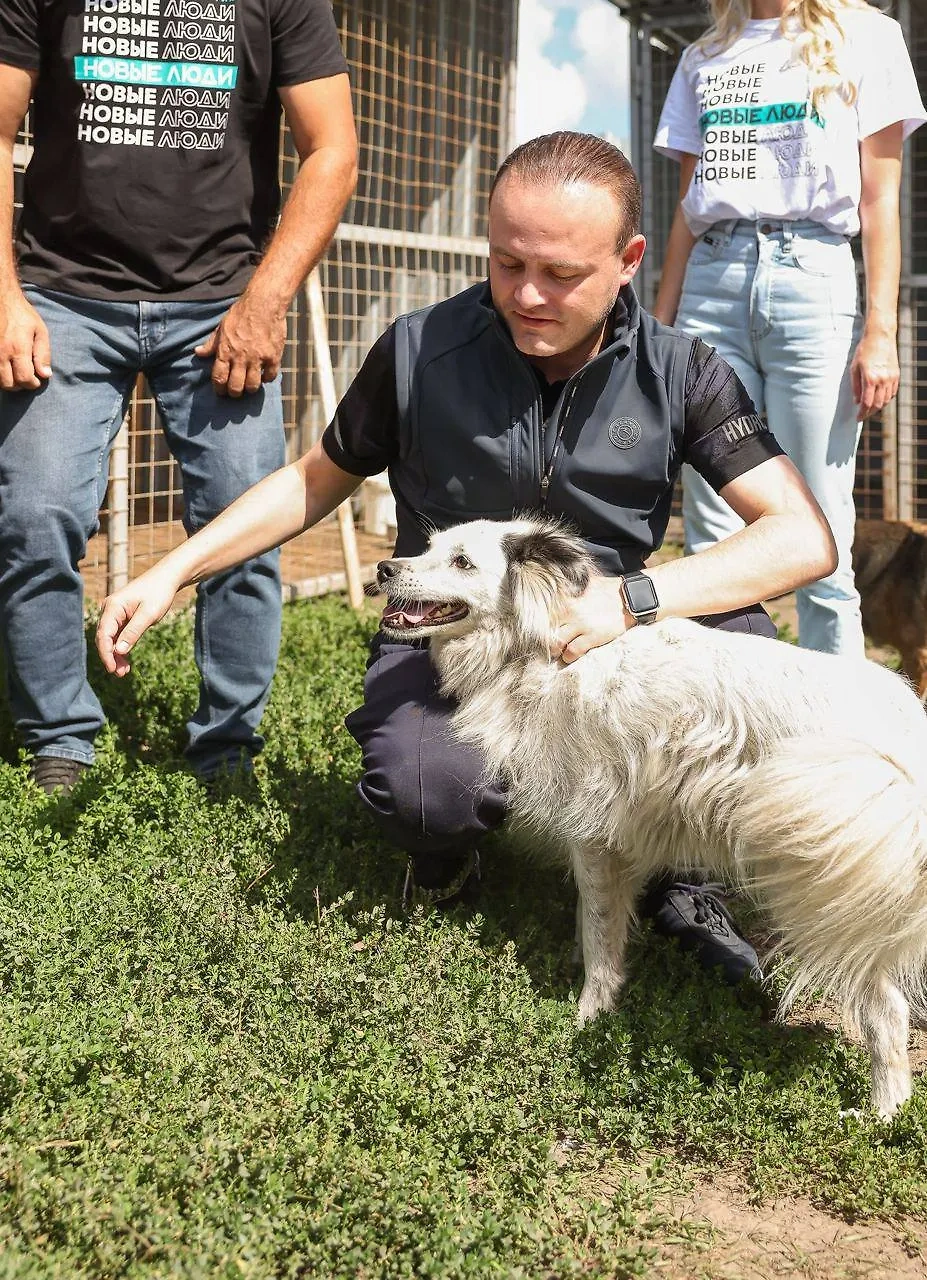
{"points": [[225, 1052]]}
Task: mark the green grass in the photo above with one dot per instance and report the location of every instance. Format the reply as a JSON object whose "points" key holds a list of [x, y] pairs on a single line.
{"points": [[225, 1053]]}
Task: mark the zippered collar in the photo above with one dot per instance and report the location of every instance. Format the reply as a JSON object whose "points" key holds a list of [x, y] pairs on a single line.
{"points": [[623, 324]]}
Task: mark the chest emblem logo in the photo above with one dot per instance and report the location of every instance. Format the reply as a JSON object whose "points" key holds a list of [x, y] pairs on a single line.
{"points": [[624, 433]]}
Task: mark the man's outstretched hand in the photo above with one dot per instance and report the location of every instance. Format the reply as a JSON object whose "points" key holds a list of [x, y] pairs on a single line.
{"points": [[127, 615]]}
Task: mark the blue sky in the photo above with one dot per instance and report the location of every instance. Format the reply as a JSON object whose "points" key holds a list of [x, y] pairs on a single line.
{"points": [[572, 69]]}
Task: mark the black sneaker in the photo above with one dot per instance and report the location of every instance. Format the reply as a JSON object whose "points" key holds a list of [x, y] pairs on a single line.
{"points": [[462, 887], [54, 773], [696, 916]]}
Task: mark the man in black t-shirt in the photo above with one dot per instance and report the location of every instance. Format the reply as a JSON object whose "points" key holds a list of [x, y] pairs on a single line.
{"points": [[548, 388], [147, 244]]}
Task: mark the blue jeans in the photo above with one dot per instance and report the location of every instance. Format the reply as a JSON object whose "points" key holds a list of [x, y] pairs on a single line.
{"points": [[54, 453], [779, 302]]}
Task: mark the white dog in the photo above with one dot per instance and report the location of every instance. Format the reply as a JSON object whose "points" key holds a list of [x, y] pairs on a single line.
{"points": [[800, 776]]}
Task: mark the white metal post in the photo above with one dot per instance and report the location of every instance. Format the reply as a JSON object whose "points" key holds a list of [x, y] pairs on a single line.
{"points": [[323, 364], [117, 536]]}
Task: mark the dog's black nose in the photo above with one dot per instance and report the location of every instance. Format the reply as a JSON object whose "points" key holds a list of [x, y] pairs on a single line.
{"points": [[387, 569]]}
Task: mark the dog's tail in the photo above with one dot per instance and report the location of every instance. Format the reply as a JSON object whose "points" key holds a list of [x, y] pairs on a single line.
{"points": [[834, 839]]}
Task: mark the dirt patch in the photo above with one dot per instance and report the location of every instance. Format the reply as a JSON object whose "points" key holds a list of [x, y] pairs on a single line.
{"points": [[782, 1237], [711, 1228], [825, 1016]]}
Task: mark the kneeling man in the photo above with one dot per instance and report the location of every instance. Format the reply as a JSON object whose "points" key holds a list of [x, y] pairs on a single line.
{"points": [[546, 388]]}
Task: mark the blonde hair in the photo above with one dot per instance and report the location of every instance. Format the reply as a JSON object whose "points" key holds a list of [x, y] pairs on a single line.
{"points": [[818, 40]]}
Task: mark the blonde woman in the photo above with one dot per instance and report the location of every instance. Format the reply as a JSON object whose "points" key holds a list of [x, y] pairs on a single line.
{"points": [[787, 119]]}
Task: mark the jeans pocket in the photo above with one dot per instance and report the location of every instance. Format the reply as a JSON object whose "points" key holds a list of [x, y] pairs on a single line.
{"points": [[707, 249], [700, 282], [828, 256]]}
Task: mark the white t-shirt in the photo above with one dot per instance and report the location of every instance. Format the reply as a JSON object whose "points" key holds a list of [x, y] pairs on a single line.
{"points": [[763, 152]]}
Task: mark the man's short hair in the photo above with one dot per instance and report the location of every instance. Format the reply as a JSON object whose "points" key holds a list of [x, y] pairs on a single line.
{"points": [[557, 159]]}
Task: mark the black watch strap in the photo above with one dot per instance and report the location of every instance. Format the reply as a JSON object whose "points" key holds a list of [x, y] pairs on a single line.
{"points": [[640, 597]]}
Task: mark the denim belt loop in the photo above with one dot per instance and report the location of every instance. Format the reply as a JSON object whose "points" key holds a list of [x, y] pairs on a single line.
{"points": [[787, 237]]}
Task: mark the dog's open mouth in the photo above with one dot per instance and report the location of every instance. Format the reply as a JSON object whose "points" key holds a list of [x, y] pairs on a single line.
{"points": [[411, 615]]}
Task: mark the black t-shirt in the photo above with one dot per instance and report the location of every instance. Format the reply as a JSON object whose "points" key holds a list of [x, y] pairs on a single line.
{"points": [[156, 127], [722, 439]]}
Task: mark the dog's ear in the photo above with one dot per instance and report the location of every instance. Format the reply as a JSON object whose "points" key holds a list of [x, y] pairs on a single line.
{"points": [[551, 550], [546, 566]]}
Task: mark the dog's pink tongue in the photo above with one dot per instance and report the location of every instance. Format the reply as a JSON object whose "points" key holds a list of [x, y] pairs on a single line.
{"points": [[413, 614]]}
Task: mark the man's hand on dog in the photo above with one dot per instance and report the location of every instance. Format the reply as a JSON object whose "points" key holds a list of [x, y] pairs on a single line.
{"points": [[595, 618], [246, 348]]}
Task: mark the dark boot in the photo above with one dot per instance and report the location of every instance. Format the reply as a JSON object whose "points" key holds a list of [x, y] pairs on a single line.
{"points": [[55, 773], [696, 916], [442, 881]]}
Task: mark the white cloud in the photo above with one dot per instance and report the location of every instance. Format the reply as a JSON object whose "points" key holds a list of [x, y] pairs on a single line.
{"points": [[579, 80], [548, 96], [602, 39]]}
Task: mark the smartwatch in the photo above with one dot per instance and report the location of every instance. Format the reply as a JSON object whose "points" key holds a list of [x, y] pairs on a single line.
{"points": [[640, 597]]}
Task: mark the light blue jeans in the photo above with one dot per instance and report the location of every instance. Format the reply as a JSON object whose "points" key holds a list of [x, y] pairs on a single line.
{"points": [[54, 453], [778, 300]]}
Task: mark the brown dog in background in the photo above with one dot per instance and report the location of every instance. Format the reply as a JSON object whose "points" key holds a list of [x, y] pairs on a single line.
{"points": [[890, 564]]}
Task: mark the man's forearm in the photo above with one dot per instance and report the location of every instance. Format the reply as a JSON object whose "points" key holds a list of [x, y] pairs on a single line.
{"points": [[271, 512], [774, 555], [779, 551], [9, 278], [310, 216], [247, 346], [15, 91], [25, 355]]}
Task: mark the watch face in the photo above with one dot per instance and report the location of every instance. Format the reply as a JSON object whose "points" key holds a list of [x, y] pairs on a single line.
{"points": [[640, 594]]}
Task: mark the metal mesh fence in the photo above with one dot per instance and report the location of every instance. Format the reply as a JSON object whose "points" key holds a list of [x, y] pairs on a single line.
{"points": [[433, 95], [912, 406], [655, 53], [433, 91]]}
